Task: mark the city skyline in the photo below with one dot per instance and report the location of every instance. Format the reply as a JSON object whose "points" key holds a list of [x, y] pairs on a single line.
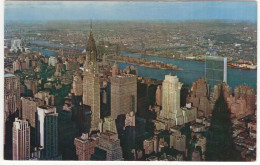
{"points": [[183, 11], [130, 90]]}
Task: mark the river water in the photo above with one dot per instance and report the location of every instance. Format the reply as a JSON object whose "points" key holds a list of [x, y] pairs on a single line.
{"points": [[192, 70]]}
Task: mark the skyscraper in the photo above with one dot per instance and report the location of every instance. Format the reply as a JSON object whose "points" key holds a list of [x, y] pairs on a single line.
{"points": [[91, 97], [21, 140], [215, 71], [91, 83], [91, 53], [171, 99], [12, 94], [12, 107], [47, 131], [123, 94], [29, 109]]}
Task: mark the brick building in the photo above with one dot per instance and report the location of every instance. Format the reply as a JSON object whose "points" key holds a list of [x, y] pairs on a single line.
{"points": [[84, 146]]}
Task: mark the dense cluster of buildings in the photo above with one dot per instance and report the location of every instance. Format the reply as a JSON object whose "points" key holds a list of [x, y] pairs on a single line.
{"points": [[186, 40], [112, 114]]}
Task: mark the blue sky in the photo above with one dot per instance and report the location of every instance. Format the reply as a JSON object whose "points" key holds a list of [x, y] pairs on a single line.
{"points": [[175, 11]]}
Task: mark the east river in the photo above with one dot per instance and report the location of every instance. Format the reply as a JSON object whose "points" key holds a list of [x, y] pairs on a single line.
{"points": [[192, 70]]}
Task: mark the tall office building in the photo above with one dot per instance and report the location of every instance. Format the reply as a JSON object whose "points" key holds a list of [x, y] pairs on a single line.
{"points": [[29, 109], [91, 83], [91, 53], [12, 95], [91, 97], [21, 140], [12, 107], [123, 94], [67, 131], [171, 99], [47, 132], [215, 71]]}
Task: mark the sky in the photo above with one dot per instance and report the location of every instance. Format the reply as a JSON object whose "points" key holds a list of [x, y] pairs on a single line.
{"points": [[173, 11]]}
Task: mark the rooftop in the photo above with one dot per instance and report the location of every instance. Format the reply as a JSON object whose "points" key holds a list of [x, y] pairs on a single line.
{"points": [[9, 75], [216, 58]]}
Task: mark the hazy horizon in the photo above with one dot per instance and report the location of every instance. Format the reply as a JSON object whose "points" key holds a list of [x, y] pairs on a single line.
{"points": [[131, 11]]}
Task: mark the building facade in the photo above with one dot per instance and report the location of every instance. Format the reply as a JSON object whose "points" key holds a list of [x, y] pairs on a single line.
{"points": [[91, 82], [77, 85], [29, 109], [215, 71], [178, 141], [12, 101], [21, 140], [123, 94], [110, 143], [85, 146], [91, 97], [130, 119], [52, 61], [171, 99], [109, 124], [47, 131]]}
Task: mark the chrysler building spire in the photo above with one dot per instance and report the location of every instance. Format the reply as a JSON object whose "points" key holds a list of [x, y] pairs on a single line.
{"points": [[91, 52]]}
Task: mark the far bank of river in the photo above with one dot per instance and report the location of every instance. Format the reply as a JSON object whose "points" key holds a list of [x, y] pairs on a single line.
{"points": [[192, 70]]}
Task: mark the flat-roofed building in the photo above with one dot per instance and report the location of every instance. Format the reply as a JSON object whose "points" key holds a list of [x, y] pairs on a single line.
{"points": [[123, 94], [21, 140], [110, 144], [85, 146], [47, 132]]}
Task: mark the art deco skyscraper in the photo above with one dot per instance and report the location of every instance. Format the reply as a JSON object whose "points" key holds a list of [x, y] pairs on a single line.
{"points": [[91, 53], [171, 99], [21, 140], [91, 84], [91, 97]]}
